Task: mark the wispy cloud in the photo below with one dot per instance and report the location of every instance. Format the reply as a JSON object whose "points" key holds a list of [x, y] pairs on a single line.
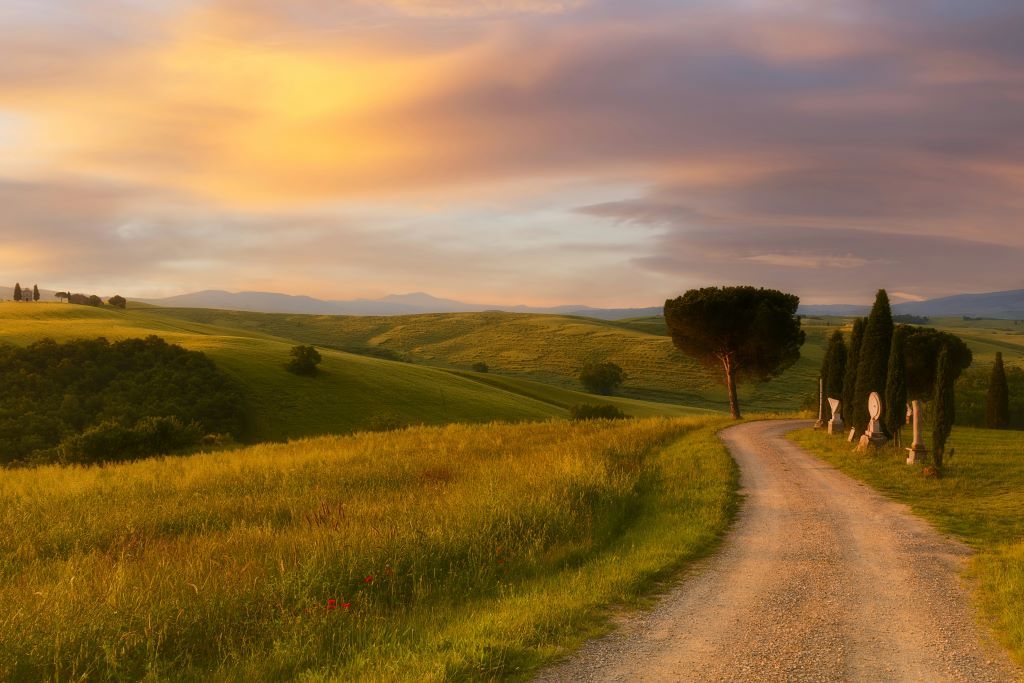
{"points": [[791, 142]]}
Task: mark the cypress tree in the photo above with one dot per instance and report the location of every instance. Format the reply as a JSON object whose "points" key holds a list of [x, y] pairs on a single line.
{"points": [[896, 385], [850, 377], [17, 291], [837, 366], [835, 360], [873, 359], [35, 292], [943, 406], [826, 410], [997, 412]]}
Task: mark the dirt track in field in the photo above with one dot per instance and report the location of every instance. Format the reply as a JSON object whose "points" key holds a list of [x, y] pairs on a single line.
{"points": [[821, 579]]}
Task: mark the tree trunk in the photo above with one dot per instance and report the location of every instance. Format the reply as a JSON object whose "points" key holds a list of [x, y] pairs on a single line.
{"points": [[730, 385]]}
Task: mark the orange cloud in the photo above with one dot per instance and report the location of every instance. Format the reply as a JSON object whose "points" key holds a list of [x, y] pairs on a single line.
{"points": [[460, 8]]}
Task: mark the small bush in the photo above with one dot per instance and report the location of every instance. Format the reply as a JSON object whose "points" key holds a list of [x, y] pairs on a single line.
{"points": [[304, 360], [112, 441], [480, 367], [588, 411], [118, 301], [602, 378]]}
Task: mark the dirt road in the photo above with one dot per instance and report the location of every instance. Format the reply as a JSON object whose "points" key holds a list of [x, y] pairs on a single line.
{"points": [[821, 579]]}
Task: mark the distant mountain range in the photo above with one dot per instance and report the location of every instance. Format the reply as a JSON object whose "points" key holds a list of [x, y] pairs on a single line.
{"points": [[395, 304], [1001, 305]]}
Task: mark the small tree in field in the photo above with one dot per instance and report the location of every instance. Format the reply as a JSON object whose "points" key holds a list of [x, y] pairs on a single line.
{"points": [[35, 292], [61, 296], [118, 301], [480, 366], [749, 333], [17, 291], [997, 409], [304, 360], [850, 378], [602, 378]]}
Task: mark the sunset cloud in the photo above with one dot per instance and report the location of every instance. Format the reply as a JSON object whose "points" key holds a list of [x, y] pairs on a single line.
{"points": [[597, 139]]}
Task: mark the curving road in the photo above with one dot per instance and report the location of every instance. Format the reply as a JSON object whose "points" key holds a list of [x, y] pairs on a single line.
{"points": [[821, 579]]}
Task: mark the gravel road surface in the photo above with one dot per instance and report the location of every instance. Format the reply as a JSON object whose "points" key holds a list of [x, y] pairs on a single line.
{"points": [[821, 579]]}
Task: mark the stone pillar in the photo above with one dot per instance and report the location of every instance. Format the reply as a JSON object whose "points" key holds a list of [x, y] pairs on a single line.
{"points": [[821, 404], [917, 452]]}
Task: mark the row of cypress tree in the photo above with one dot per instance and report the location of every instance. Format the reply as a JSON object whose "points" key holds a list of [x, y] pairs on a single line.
{"points": [[24, 295], [900, 362]]}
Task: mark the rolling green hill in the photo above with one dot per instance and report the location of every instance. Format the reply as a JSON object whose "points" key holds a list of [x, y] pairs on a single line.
{"points": [[545, 348], [350, 391]]}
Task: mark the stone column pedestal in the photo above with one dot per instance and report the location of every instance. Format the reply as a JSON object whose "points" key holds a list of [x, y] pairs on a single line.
{"points": [[917, 452], [821, 404]]}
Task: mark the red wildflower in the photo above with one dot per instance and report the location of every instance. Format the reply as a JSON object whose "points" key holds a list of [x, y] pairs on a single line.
{"points": [[368, 579], [346, 605], [332, 604]]}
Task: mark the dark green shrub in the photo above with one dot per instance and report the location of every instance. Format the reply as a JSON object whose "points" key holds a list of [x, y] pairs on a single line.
{"points": [[118, 301], [589, 411], [602, 378], [304, 360], [111, 441], [53, 392], [480, 367]]}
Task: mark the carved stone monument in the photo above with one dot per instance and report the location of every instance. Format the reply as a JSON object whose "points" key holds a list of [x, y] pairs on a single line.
{"points": [[835, 425], [875, 434], [917, 452]]}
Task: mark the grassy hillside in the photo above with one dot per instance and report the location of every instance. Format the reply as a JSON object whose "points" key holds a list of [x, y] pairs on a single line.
{"points": [[980, 500], [455, 553], [349, 392], [546, 348]]}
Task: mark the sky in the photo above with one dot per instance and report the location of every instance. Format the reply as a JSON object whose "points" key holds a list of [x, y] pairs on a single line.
{"points": [[602, 152]]}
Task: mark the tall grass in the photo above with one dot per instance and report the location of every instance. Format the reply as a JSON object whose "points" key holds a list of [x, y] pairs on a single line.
{"points": [[457, 552], [980, 499]]}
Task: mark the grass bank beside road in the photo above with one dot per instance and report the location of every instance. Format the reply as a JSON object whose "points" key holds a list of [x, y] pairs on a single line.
{"points": [[434, 553], [980, 500]]}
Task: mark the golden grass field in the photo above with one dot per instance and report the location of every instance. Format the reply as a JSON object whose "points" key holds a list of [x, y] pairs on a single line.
{"points": [[452, 553]]}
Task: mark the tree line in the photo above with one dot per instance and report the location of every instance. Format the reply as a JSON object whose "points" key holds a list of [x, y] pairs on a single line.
{"points": [[117, 301], [92, 401], [903, 363]]}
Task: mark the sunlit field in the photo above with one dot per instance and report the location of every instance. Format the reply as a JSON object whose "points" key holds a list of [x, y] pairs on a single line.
{"points": [[980, 499], [349, 393], [459, 552], [549, 349]]}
